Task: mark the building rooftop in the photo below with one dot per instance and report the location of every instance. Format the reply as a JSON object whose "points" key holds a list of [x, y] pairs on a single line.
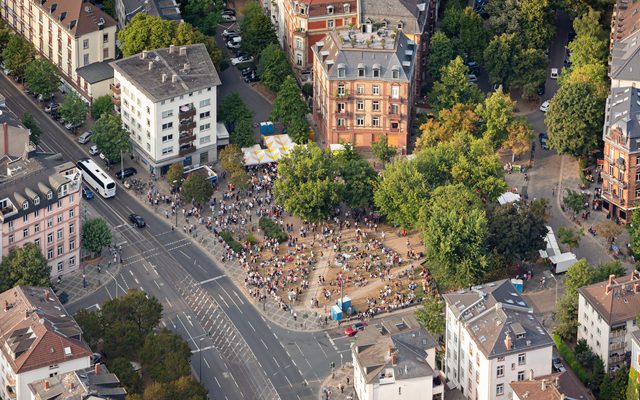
{"points": [[558, 386], [616, 300], [626, 19], [408, 15], [360, 55], [498, 319], [96, 72], [36, 331], [166, 9], [14, 141], [78, 17], [622, 117], [635, 336], [78, 385], [625, 57], [166, 73]]}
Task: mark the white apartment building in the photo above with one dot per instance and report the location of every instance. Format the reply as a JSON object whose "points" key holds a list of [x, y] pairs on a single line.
{"points": [[493, 339], [167, 101], [71, 34], [396, 361], [607, 316], [38, 340]]}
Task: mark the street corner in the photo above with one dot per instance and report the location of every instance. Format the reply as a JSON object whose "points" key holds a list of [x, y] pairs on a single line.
{"points": [[338, 385]]}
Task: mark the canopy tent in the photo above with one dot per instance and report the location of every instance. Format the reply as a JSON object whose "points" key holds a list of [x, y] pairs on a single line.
{"points": [[277, 146], [508, 197]]}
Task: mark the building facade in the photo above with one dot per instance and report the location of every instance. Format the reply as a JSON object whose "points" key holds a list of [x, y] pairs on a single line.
{"points": [[70, 34], [167, 101], [362, 87], [493, 339], [607, 317]]}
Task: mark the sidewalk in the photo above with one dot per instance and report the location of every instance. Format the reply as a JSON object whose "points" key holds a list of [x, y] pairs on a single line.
{"points": [[335, 386]]}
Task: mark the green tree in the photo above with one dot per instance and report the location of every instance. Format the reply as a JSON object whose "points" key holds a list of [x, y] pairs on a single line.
{"points": [[588, 50], [307, 186], [577, 276], [569, 237], [145, 32], [574, 201], [431, 314], [455, 235], [92, 326], [402, 193], [41, 77], [101, 105], [459, 118], [197, 187], [256, 29], [504, 17], [165, 356], [500, 56], [185, 387], [608, 229], [136, 307], [536, 18], [601, 272], [634, 233], [382, 150], [186, 34], [453, 87], [110, 137], [73, 109], [17, 54], [273, 67], [574, 119], [299, 129], [441, 52], [594, 74], [497, 113], [243, 134], [34, 129], [529, 71], [466, 30], [231, 158], [25, 266], [123, 369], [95, 235], [566, 312], [358, 176], [289, 108], [5, 35], [614, 388], [205, 14], [519, 137], [233, 109], [175, 173]]}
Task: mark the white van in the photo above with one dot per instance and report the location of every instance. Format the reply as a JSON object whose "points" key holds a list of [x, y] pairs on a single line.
{"points": [[84, 138]]}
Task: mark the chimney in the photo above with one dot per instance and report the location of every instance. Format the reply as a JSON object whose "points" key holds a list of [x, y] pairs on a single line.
{"points": [[174, 78], [394, 359], [143, 55], [46, 296], [72, 386], [390, 351], [556, 381], [187, 67], [544, 385], [172, 48], [531, 374], [150, 65], [183, 51], [164, 78], [5, 129], [96, 369], [507, 342], [46, 384]]}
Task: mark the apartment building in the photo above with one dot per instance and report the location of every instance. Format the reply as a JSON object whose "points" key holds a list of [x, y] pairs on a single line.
{"points": [[493, 339], [71, 34], [362, 87], [166, 9], [396, 361], [167, 101], [607, 317], [95, 383], [39, 340], [557, 386]]}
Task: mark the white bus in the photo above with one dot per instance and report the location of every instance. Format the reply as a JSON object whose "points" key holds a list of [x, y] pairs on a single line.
{"points": [[96, 178]]}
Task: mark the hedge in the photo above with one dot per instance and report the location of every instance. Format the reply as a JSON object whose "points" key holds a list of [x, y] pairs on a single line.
{"points": [[251, 239], [570, 357], [272, 230], [235, 246]]}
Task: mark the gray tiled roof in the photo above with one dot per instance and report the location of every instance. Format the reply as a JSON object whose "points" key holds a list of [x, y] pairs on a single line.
{"points": [[623, 112], [395, 11], [200, 75], [625, 58], [492, 311], [96, 72], [165, 9]]}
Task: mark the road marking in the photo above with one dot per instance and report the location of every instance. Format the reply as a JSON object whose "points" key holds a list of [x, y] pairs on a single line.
{"points": [[184, 254], [187, 330], [156, 282], [137, 281], [188, 318], [274, 360], [212, 279], [288, 381], [254, 329], [264, 344], [238, 296], [218, 383], [94, 305], [206, 362], [168, 302], [164, 324], [108, 292], [223, 300]]}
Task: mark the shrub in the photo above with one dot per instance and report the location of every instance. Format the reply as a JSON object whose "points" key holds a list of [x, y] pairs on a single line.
{"points": [[272, 230], [235, 246], [570, 358], [251, 239]]}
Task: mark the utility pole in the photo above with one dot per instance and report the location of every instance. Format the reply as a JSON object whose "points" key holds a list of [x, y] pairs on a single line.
{"points": [[122, 165]]}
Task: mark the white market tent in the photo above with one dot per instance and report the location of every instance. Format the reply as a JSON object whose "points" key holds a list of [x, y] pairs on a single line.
{"points": [[508, 197], [277, 146]]}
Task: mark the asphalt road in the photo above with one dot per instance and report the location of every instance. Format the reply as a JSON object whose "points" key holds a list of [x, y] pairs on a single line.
{"points": [[160, 261]]}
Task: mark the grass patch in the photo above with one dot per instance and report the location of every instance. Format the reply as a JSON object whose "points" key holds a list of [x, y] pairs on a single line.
{"points": [[235, 246], [251, 239], [272, 230], [569, 356]]}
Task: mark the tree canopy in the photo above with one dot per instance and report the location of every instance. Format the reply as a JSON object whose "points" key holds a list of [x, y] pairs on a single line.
{"points": [[197, 188], [24, 266], [175, 173], [41, 77], [101, 105], [110, 137], [17, 54], [73, 109], [165, 356], [256, 29], [466, 30], [497, 115], [96, 235], [441, 52], [273, 67], [431, 314], [233, 109], [382, 150], [290, 109], [453, 87], [34, 129]]}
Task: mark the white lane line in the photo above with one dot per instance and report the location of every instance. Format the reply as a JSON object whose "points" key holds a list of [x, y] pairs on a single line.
{"points": [[264, 344], [185, 328], [137, 281], [156, 282], [206, 362], [223, 300], [164, 323], [108, 292], [254, 329], [238, 296], [168, 302], [288, 381], [217, 383], [211, 279], [274, 360], [184, 254]]}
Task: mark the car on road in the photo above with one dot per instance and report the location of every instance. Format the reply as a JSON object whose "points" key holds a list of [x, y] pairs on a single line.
{"points": [[544, 139], [554, 73], [93, 150], [250, 78], [84, 138], [137, 220], [352, 330], [52, 106], [247, 71], [557, 365], [228, 18], [125, 173], [72, 127], [87, 193], [229, 11], [540, 90], [472, 78], [229, 33], [233, 45], [544, 107], [241, 60]]}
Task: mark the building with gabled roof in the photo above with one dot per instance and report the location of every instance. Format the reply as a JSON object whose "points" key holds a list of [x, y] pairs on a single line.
{"points": [[95, 383], [38, 339], [168, 10], [492, 339], [557, 386]]}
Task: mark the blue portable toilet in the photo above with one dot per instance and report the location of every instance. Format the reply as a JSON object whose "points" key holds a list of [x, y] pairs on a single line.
{"points": [[266, 128], [518, 284], [336, 313], [344, 303]]}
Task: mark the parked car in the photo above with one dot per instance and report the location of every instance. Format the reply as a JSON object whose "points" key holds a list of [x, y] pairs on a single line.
{"points": [[52, 106], [233, 45], [228, 11], [250, 78], [355, 328], [228, 18], [472, 78], [544, 140], [106, 160], [472, 65], [544, 107], [247, 71], [241, 60], [84, 138], [125, 173], [229, 33], [93, 150], [87, 193], [540, 90], [557, 365], [554, 73], [137, 220], [72, 127]]}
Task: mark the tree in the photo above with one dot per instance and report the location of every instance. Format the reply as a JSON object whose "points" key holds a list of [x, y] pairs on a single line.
{"points": [[92, 326], [123, 369], [574, 118], [231, 158], [5, 35], [529, 71], [289, 108], [101, 105], [588, 50], [205, 14], [184, 388], [519, 137], [145, 32], [73, 109], [233, 109], [536, 18], [504, 17], [455, 235], [431, 314], [614, 388], [466, 30], [499, 57], [256, 29], [608, 229], [574, 201], [577, 276], [402, 193], [110, 137], [25, 266], [358, 176], [186, 34], [569, 237], [41, 77], [453, 87], [594, 74], [197, 188], [17, 54], [299, 129], [273, 67], [34, 129], [459, 118], [566, 312], [382, 150], [165, 356], [143, 311], [497, 113], [175, 174], [634, 233], [441, 52], [243, 134], [601, 272], [95, 235]]}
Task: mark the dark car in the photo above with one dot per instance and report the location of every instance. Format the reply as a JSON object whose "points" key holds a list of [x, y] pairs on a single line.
{"points": [[87, 193], [125, 173], [247, 71], [137, 220], [55, 115], [229, 11], [540, 90], [251, 78]]}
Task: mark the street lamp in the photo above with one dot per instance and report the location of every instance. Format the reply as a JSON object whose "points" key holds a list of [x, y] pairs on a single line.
{"points": [[554, 278]]}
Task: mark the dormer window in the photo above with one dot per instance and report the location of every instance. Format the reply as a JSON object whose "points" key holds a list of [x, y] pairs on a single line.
{"points": [[361, 71], [330, 10], [342, 71], [347, 8], [302, 10], [376, 71], [25, 205], [395, 72], [49, 195], [400, 25], [36, 200]]}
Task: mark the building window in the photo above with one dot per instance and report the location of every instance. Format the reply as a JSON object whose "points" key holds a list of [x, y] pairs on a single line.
{"points": [[148, 147], [637, 193], [299, 43], [167, 138], [36, 228], [72, 261], [60, 249], [205, 139], [395, 73], [360, 120], [71, 199], [36, 201], [205, 115], [520, 375], [167, 114], [59, 218], [360, 89], [376, 72], [49, 254], [60, 266], [11, 238], [25, 218], [205, 102], [341, 90], [522, 358], [342, 72], [72, 244], [500, 371], [299, 59], [347, 8], [360, 105], [49, 238], [375, 105], [341, 107], [166, 126], [167, 150], [375, 90], [330, 24], [49, 222], [37, 242], [395, 92], [375, 121], [72, 229], [85, 59], [72, 213], [85, 44], [340, 122], [205, 127], [59, 234], [330, 10], [25, 232], [500, 389]]}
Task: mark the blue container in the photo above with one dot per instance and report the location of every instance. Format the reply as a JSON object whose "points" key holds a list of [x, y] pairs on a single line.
{"points": [[266, 128], [518, 284], [336, 313], [345, 303]]}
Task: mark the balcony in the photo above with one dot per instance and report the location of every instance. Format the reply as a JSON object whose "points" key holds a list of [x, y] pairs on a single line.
{"points": [[186, 125], [395, 100], [617, 358], [341, 127], [611, 178], [617, 346], [186, 112], [186, 138], [618, 333], [186, 150], [115, 88], [116, 101]]}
